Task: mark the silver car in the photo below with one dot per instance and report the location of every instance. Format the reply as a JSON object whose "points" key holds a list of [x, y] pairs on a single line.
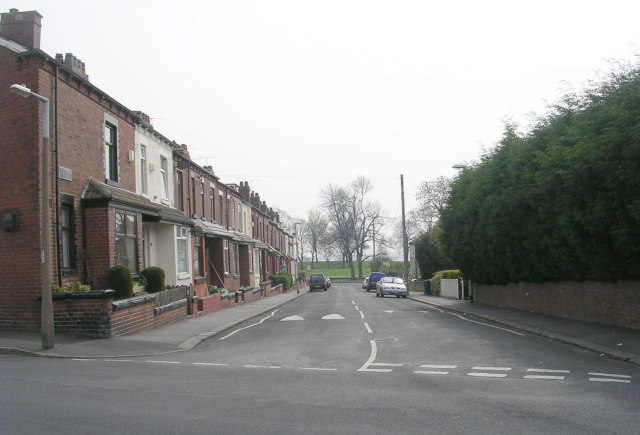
{"points": [[391, 285]]}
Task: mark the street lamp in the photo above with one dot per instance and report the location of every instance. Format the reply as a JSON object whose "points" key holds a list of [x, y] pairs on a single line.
{"points": [[459, 166], [47, 303], [295, 235]]}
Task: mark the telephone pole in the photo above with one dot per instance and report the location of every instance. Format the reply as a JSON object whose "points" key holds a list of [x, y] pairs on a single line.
{"points": [[405, 242]]}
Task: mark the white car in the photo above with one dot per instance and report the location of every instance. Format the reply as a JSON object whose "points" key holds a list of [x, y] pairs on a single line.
{"points": [[391, 285], [365, 282]]}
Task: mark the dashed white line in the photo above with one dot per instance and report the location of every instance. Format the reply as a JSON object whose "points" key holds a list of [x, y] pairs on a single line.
{"points": [[430, 372], [83, 359], [386, 364], [437, 366], [547, 377], [165, 362], [488, 375], [498, 369], [261, 367], [610, 375], [356, 307], [361, 314], [366, 325], [548, 371], [621, 381], [353, 302], [210, 364], [317, 368]]}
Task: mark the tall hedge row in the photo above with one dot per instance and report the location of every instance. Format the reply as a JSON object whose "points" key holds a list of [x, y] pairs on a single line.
{"points": [[560, 202]]}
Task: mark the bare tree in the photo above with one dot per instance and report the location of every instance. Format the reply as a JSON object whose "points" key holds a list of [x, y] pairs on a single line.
{"points": [[316, 228], [352, 218], [300, 238], [432, 198], [414, 230]]}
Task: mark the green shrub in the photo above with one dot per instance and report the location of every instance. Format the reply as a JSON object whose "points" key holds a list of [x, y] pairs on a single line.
{"points": [[119, 279], [155, 279], [213, 290], [72, 287], [283, 278], [440, 275]]}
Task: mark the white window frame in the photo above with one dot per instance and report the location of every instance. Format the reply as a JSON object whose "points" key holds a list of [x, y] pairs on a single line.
{"points": [[143, 169], [163, 174], [226, 256]]}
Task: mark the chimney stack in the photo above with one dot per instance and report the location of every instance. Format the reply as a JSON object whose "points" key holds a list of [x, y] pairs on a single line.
{"points": [[22, 27]]}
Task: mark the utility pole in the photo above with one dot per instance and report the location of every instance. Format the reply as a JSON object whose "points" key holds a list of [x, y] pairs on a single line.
{"points": [[405, 242], [374, 247]]}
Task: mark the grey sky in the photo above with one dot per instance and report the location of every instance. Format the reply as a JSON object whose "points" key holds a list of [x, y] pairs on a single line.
{"points": [[292, 95]]}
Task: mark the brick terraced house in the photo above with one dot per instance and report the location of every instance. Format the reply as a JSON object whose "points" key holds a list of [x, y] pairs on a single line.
{"points": [[119, 192]]}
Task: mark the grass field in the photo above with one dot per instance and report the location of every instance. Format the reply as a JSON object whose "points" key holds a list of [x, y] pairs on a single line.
{"points": [[335, 271]]}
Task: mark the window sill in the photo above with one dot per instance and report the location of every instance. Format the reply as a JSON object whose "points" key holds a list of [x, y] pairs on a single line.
{"points": [[111, 183], [69, 272], [184, 275], [201, 280]]}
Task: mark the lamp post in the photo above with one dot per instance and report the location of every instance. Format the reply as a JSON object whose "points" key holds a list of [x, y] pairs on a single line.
{"points": [[47, 303], [295, 235]]}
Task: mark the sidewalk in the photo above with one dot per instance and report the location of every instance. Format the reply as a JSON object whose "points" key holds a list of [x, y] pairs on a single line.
{"points": [[176, 337], [614, 342]]}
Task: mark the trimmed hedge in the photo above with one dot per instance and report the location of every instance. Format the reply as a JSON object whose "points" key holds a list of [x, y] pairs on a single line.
{"points": [[436, 284], [120, 280], [283, 278], [155, 277]]}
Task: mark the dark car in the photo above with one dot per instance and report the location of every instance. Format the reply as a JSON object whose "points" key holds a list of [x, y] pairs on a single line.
{"points": [[374, 277], [317, 281]]}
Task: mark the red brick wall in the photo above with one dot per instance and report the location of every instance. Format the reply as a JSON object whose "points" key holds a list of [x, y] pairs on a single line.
{"points": [[170, 316], [209, 304], [611, 303], [91, 317], [135, 319]]}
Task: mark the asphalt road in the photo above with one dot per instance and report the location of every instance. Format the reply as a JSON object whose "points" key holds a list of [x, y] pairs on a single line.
{"points": [[335, 362]]}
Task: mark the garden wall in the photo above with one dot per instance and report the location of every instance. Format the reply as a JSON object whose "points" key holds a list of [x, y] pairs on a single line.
{"points": [[611, 303]]}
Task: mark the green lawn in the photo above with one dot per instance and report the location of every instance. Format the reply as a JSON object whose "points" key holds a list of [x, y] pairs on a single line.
{"points": [[335, 271]]}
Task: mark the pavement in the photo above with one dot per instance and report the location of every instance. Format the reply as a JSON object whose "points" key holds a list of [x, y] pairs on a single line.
{"points": [[608, 341]]}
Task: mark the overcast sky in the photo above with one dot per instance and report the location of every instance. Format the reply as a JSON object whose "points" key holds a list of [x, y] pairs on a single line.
{"points": [[294, 95]]}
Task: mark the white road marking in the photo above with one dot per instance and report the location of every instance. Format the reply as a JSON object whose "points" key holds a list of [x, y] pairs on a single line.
{"points": [[361, 314], [210, 364], [499, 369], [317, 368], [557, 378], [366, 325], [119, 360], [372, 358], [488, 375], [386, 364], [436, 366], [286, 319], [430, 372], [484, 324], [387, 311], [353, 302], [548, 371], [165, 362], [610, 375], [262, 367], [356, 307], [83, 359], [333, 317], [422, 311], [241, 329], [621, 381]]}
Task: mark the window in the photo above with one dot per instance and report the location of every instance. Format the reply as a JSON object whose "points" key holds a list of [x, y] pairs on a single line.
{"points": [[111, 152], [192, 200], [126, 240], [213, 205], [226, 256], [181, 249], [250, 259], [179, 190], [163, 174], [221, 212], [236, 263], [198, 269], [143, 169], [67, 237], [202, 196], [240, 217]]}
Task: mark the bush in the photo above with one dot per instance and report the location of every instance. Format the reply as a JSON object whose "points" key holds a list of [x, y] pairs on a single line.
{"points": [[442, 274], [119, 279], [302, 276], [283, 278], [213, 290], [72, 287], [155, 279]]}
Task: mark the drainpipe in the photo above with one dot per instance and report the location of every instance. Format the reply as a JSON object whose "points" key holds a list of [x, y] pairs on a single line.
{"points": [[57, 177]]}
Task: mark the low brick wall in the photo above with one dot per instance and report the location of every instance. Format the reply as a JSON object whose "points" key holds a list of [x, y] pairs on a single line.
{"points": [[133, 315], [210, 304], [610, 303], [229, 300], [83, 313]]}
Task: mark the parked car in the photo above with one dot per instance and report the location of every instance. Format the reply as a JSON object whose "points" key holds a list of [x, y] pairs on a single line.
{"points": [[328, 280], [317, 281], [374, 277], [365, 282], [391, 285]]}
